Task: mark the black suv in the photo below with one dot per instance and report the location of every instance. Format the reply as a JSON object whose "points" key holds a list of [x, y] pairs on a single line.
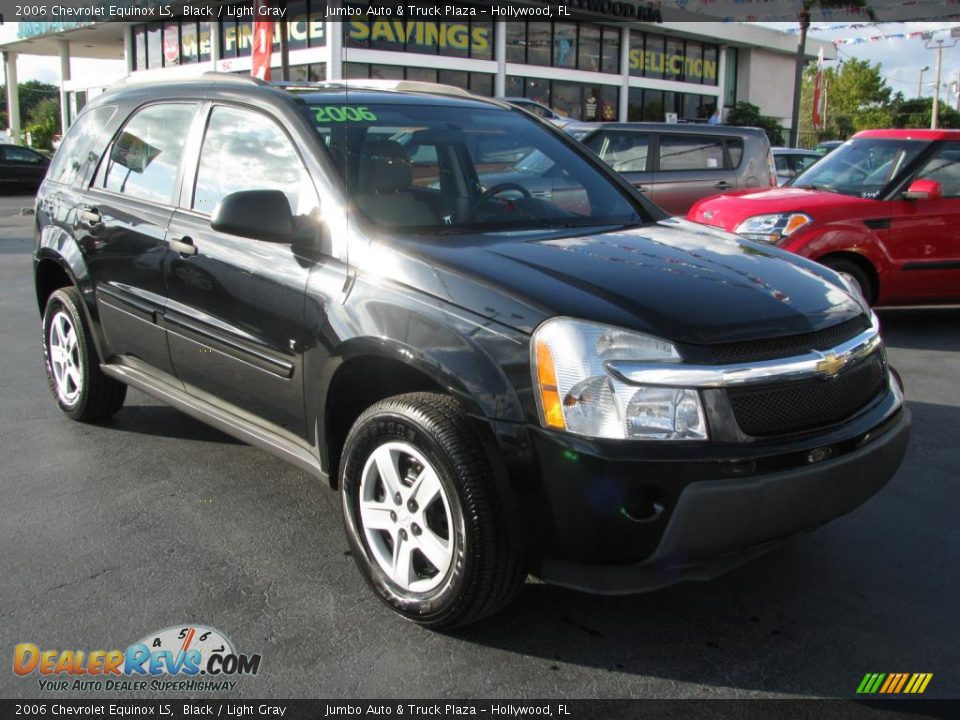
{"points": [[498, 379]]}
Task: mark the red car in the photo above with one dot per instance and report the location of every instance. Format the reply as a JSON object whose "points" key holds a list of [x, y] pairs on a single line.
{"points": [[883, 208]]}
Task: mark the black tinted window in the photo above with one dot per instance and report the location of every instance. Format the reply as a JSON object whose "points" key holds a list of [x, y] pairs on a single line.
{"points": [[245, 150], [80, 151], [690, 152], [22, 155], [145, 156], [735, 149]]}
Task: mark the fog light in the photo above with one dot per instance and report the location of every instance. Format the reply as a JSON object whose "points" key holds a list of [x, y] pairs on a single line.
{"points": [[820, 454]]}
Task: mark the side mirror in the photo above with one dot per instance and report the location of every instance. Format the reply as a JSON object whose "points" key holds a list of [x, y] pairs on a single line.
{"points": [[924, 190], [259, 214]]}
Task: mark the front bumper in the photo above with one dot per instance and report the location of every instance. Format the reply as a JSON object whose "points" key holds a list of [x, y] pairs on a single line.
{"points": [[716, 524]]}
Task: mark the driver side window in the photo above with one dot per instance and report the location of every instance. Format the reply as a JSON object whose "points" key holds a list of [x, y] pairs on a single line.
{"points": [[245, 150], [944, 168]]}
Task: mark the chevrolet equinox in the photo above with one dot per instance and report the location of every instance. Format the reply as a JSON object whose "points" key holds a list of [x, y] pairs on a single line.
{"points": [[499, 377]]}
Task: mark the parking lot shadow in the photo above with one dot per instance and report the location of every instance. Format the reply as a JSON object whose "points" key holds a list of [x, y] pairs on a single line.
{"points": [[868, 592], [165, 421], [922, 328]]}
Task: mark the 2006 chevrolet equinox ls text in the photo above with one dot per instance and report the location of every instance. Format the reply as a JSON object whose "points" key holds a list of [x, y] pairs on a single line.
{"points": [[498, 380]]}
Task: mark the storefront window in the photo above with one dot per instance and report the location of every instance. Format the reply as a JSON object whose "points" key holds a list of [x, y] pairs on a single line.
{"points": [[610, 62], [564, 45], [538, 43], [171, 44], [651, 58], [588, 51], [481, 84], [635, 105], [154, 46], [516, 42], [711, 54], [653, 106], [673, 60], [386, 72], [188, 39], [579, 101]]}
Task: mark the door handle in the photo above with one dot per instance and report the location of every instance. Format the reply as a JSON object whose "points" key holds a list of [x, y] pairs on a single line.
{"points": [[90, 215], [184, 246], [642, 188], [723, 185]]}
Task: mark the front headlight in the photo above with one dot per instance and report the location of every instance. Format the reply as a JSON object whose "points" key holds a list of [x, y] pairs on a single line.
{"points": [[772, 228], [576, 393]]}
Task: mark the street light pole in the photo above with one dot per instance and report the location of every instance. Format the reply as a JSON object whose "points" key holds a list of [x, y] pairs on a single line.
{"points": [[920, 81]]}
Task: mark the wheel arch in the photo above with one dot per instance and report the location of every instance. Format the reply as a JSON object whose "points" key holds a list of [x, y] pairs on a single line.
{"points": [[862, 262]]}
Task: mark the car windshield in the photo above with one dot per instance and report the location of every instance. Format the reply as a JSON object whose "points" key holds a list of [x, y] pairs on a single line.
{"points": [[861, 167], [429, 169]]}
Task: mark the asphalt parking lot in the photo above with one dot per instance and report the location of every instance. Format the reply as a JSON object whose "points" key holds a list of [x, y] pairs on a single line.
{"points": [[111, 532]]}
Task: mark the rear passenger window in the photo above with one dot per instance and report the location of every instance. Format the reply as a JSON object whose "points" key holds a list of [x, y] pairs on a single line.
{"points": [[735, 150], [690, 152], [79, 152], [144, 159], [245, 150], [623, 151]]}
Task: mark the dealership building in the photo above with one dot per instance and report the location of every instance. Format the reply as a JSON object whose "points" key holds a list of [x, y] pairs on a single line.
{"points": [[592, 68]]}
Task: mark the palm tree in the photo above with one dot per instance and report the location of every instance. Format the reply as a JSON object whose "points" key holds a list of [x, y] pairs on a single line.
{"points": [[804, 19]]}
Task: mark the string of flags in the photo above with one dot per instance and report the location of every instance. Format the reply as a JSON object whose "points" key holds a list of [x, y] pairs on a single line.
{"points": [[920, 35]]}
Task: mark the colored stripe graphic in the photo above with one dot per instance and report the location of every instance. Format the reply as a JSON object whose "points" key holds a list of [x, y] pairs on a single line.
{"points": [[894, 683]]}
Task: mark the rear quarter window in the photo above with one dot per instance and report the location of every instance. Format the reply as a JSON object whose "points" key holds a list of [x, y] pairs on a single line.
{"points": [[691, 152], [80, 150]]}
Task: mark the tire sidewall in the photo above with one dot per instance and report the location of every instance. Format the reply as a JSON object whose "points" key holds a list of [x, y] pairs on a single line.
{"points": [[61, 300], [369, 434]]}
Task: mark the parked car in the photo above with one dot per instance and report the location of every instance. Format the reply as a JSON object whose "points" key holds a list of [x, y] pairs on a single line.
{"points": [[539, 110], [827, 146], [883, 209], [21, 169], [790, 162], [581, 388], [675, 165]]}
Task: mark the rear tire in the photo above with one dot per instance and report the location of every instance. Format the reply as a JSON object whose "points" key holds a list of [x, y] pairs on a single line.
{"points": [[81, 389], [421, 513], [854, 272]]}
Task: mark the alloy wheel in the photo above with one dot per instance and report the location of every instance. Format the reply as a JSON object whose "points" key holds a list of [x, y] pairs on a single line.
{"points": [[65, 358]]}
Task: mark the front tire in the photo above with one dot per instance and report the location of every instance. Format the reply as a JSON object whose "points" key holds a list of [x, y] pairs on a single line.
{"points": [[855, 273], [81, 389], [421, 514]]}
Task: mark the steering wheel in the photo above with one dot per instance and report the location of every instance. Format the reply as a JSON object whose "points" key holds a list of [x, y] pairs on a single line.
{"points": [[493, 192]]}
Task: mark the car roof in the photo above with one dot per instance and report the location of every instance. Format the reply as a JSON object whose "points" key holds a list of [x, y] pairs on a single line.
{"points": [[671, 127], [910, 134]]}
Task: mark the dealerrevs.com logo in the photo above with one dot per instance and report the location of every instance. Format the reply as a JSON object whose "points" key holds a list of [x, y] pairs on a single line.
{"points": [[182, 658]]}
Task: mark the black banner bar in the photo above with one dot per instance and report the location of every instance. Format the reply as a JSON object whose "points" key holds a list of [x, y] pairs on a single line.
{"points": [[496, 709]]}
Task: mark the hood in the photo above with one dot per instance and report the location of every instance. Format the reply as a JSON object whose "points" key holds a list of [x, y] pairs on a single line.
{"points": [[673, 279], [729, 210]]}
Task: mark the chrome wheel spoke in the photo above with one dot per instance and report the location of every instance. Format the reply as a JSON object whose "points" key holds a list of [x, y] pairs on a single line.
{"points": [[62, 346], [403, 573], [376, 516], [426, 487], [387, 467], [435, 549]]}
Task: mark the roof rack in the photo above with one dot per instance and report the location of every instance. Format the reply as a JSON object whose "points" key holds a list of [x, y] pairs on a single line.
{"points": [[210, 76], [377, 84]]}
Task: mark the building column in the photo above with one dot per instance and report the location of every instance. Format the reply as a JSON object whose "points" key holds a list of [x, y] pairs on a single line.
{"points": [[13, 95], [500, 55], [722, 79], [334, 50], [129, 52], [624, 73], [64, 79], [216, 45]]}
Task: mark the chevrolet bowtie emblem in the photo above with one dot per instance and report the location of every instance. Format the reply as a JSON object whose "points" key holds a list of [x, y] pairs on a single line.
{"points": [[830, 365]]}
